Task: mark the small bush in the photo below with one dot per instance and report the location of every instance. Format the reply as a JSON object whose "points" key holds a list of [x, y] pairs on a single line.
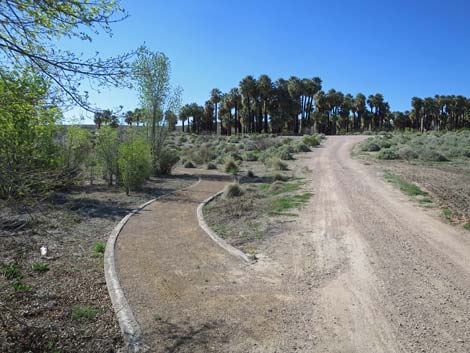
{"points": [[301, 147], [407, 153], [189, 164], [284, 154], [99, 249], [277, 164], [279, 177], [432, 156], [232, 190], [387, 154], [276, 187], [21, 287], [84, 312], [250, 174], [211, 166], [231, 167], [250, 157], [311, 140], [372, 147], [134, 162], [166, 161], [11, 271], [40, 267]]}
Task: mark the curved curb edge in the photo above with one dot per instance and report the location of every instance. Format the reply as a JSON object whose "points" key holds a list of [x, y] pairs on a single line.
{"points": [[129, 326], [221, 242]]}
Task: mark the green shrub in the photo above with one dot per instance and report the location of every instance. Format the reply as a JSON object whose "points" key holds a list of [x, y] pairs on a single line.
{"points": [[21, 287], [232, 190], [407, 153], [189, 164], [99, 249], [166, 161], [387, 153], [250, 174], [279, 177], [284, 154], [84, 312], [231, 167], [372, 147], [11, 271], [301, 147], [432, 156], [311, 140], [250, 157], [277, 164], [134, 162], [40, 267], [211, 166]]}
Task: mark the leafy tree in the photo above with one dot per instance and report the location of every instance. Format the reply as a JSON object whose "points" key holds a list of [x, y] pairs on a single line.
{"points": [[28, 153], [107, 148], [29, 27], [133, 161], [151, 72]]}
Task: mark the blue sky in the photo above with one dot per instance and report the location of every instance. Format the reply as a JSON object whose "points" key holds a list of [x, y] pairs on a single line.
{"points": [[398, 48]]}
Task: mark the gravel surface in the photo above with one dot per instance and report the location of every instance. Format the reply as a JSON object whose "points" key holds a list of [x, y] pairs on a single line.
{"points": [[363, 269], [65, 308]]}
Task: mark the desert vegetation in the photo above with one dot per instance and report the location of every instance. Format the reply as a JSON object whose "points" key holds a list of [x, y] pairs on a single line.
{"points": [[269, 189], [436, 161], [299, 105]]}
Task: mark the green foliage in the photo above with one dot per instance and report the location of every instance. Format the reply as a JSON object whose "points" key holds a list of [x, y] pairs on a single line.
{"points": [[387, 153], [75, 148], [133, 162], [408, 188], [447, 214], [40, 267], [466, 226], [279, 187], [28, 154], [166, 161], [84, 312], [12, 271], [21, 287], [99, 249], [232, 190], [276, 164], [231, 167], [211, 166], [107, 148], [283, 204], [189, 164], [301, 147], [311, 140]]}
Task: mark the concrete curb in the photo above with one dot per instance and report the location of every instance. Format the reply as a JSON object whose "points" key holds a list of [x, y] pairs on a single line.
{"points": [[222, 243], [129, 326]]}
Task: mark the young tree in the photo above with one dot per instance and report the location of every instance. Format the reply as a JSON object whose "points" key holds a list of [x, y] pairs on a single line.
{"points": [[151, 73]]}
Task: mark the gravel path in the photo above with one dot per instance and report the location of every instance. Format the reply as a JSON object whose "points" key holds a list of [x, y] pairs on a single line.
{"points": [[361, 270]]}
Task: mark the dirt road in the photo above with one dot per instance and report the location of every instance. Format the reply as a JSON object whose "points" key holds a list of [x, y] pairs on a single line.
{"points": [[361, 270]]}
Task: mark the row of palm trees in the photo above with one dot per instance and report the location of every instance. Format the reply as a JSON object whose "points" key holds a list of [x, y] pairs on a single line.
{"points": [[297, 106]]}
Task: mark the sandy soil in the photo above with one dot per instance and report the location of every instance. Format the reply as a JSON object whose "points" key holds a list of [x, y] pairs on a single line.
{"points": [[69, 224], [362, 270]]}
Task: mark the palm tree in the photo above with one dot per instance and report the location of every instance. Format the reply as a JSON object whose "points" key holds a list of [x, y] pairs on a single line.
{"points": [[215, 99], [185, 113], [265, 86], [360, 110], [129, 117], [248, 92], [236, 102], [295, 88], [418, 104]]}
